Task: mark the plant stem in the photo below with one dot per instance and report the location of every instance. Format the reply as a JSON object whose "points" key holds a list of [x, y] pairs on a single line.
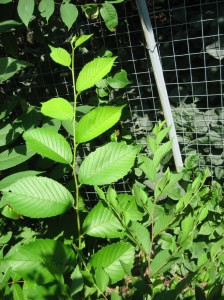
{"points": [[75, 150]]}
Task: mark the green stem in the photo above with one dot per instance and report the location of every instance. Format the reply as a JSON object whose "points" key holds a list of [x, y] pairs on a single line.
{"points": [[75, 150]]}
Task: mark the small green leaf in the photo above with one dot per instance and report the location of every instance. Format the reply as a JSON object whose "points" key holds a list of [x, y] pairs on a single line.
{"points": [[147, 166], [69, 14], [46, 8], [119, 80], [50, 144], [109, 259], [161, 153], [187, 226], [57, 108], [128, 204], [141, 235], [11, 213], [109, 15], [82, 39], [13, 157], [60, 56], [38, 197], [107, 164], [101, 222], [5, 1], [91, 11], [77, 281], [96, 122], [25, 10], [10, 66], [151, 144], [93, 72], [7, 25]]}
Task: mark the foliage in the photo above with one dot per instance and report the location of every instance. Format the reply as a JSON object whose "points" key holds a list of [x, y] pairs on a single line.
{"points": [[164, 239]]}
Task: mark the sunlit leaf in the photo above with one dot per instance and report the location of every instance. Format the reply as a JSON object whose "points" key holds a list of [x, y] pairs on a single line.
{"points": [[107, 164], [93, 72], [38, 197], [57, 108]]}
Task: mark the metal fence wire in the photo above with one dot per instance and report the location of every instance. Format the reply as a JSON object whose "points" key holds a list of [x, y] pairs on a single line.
{"points": [[190, 40]]}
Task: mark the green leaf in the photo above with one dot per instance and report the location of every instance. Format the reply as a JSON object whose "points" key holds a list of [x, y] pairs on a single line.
{"points": [[159, 261], [60, 56], [109, 259], [46, 8], [13, 157], [96, 122], [5, 1], [10, 66], [11, 213], [38, 197], [93, 72], [102, 279], [40, 261], [147, 166], [107, 164], [69, 14], [187, 226], [101, 222], [10, 132], [5, 182], [109, 15], [82, 39], [7, 25], [17, 292], [161, 153], [77, 281], [25, 10], [57, 108], [161, 223], [128, 204], [50, 144], [141, 235], [151, 142], [119, 80]]}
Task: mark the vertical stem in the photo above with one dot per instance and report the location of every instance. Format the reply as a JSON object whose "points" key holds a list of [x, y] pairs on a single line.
{"points": [[75, 148]]}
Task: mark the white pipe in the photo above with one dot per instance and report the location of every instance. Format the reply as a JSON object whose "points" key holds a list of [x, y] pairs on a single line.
{"points": [[158, 73]]}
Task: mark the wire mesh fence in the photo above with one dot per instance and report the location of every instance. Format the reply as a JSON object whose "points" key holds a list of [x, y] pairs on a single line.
{"points": [[190, 40]]}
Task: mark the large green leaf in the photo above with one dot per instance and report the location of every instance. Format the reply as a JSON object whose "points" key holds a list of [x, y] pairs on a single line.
{"points": [[49, 143], [46, 8], [96, 122], [107, 164], [161, 153], [13, 157], [162, 223], [110, 257], [93, 72], [57, 108], [38, 197], [60, 56], [69, 14], [16, 176], [109, 15], [40, 261], [10, 66], [25, 10], [101, 222]]}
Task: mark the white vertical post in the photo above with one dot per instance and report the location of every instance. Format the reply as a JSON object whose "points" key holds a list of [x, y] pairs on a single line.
{"points": [[160, 82]]}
